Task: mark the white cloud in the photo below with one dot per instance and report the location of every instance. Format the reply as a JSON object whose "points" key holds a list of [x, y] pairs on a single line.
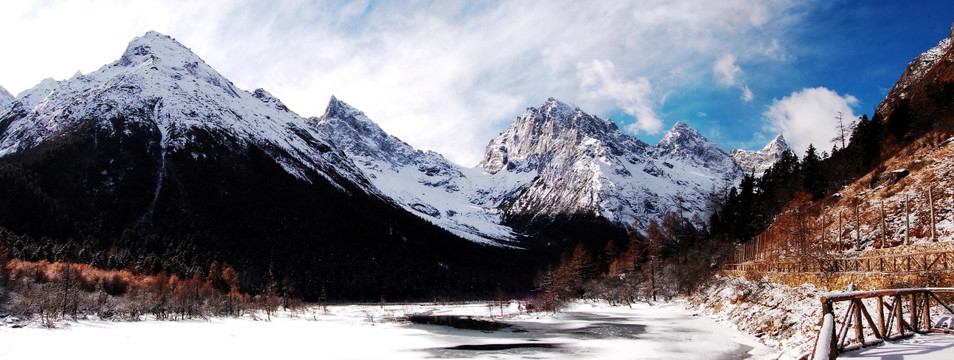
{"points": [[747, 94], [599, 80], [444, 76], [725, 70], [808, 116], [727, 73]]}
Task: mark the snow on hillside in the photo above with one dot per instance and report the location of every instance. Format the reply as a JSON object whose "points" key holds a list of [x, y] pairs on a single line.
{"points": [[159, 81], [424, 183]]}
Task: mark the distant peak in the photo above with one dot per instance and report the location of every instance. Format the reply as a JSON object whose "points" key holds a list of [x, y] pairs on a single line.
{"points": [[340, 109], [681, 130], [681, 126], [777, 145], [153, 46], [554, 107], [683, 138]]}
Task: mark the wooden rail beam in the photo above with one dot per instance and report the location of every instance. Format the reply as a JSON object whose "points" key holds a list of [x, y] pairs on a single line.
{"points": [[833, 337]]}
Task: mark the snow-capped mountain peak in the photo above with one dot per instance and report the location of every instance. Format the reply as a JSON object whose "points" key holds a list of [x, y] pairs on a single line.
{"points": [[687, 144], [163, 53], [777, 145], [159, 48], [556, 127], [338, 110], [682, 139], [756, 162], [578, 164]]}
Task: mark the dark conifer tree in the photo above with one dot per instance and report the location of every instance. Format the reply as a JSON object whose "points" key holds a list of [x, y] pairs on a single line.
{"points": [[814, 179]]}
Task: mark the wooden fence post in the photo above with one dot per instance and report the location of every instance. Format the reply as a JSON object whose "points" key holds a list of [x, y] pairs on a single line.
{"points": [[931, 201], [857, 229], [881, 316], [907, 222], [884, 227], [840, 244]]}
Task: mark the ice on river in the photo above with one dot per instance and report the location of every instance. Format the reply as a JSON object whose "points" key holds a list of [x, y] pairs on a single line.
{"points": [[584, 331]]}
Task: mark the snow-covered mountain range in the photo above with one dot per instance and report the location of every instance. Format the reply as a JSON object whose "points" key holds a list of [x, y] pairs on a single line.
{"points": [[580, 164], [553, 162], [757, 162]]}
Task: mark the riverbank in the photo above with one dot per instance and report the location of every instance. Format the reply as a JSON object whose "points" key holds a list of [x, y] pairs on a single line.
{"points": [[781, 317]]}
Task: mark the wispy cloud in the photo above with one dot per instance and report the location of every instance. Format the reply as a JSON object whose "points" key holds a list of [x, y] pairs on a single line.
{"points": [[808, 116], [727, 72], [444, 76], [747, 95], [600, 81]]}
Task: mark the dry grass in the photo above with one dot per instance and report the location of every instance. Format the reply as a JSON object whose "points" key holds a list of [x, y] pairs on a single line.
{"points": [[931, 166]]}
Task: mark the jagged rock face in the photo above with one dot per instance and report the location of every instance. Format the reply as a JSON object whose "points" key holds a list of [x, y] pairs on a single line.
{"points": [[757, 162], [584, 165], [540, 135]]}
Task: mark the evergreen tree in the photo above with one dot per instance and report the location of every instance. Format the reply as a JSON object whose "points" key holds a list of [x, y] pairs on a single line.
{"points": [[866, 142], [814, 179]]}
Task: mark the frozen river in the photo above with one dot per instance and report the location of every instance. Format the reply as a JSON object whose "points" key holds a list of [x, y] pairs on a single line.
{"points": [[584, 331]]}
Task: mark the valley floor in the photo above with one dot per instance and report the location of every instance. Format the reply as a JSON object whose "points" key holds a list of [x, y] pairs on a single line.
{"points": [[584, 330]]}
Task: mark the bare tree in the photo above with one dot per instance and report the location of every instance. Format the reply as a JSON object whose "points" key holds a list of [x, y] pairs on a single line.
{"points": [[842, 130]]}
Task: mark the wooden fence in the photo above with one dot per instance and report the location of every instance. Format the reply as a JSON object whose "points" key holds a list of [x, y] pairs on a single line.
{"points": [[888, 225], [864, 322], [889, 263]]}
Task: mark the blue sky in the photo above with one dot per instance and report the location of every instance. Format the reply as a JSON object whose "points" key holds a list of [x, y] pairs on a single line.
{"points": [[449, 76]]}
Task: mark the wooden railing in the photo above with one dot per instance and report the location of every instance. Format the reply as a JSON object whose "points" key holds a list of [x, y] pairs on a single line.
{"points": [[892, 263], [864, 322]]}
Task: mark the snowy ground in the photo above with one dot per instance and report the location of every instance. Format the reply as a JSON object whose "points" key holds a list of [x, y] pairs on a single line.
{"points": [[586, 330], [919, 347]]}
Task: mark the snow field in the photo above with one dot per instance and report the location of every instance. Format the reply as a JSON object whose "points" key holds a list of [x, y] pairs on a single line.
{"points": [[664, 331]]}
